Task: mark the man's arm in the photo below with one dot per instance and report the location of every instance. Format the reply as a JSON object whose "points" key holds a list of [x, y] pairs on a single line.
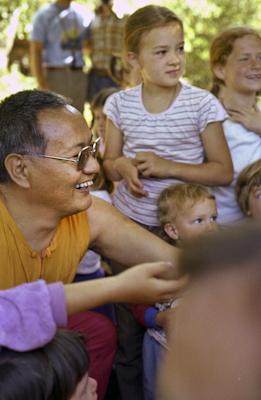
{"points": [[139, 284], [36, 49], [124, 241]]}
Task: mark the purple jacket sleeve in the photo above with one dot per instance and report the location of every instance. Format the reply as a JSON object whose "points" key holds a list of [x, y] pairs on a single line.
{"points": [[30, 314]]}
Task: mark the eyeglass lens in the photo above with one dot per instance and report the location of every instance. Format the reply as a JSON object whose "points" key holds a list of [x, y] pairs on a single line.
{"points": [[85, 154]]}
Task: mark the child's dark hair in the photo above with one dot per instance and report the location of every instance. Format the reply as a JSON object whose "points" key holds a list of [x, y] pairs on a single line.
{"points": [[48, 373], [100, 99]]}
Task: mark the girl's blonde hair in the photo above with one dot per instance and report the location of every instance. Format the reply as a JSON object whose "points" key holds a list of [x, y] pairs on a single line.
{"points": [[144, 20], [176, 198], [222, 46], [248, 179]]}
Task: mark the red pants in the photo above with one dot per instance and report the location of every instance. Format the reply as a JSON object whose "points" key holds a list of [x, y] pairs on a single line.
{"points": [[101, 341]]}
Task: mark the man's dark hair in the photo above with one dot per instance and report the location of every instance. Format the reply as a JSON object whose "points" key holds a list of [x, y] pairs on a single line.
{"points": [[48, 373], [19, 128]]}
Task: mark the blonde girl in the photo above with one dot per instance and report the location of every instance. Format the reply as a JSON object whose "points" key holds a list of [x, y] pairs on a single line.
{"points": [[235, 58], [163, 130]]}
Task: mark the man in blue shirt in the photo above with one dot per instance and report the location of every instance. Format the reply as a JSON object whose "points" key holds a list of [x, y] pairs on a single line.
{"points": [[57, 51]]}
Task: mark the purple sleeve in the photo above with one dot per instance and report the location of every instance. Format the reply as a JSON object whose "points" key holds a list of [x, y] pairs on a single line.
{"points": [[58, 304], [150, 317], [29, 315]]}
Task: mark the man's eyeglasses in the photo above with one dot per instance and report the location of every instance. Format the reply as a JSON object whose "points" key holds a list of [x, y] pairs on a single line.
{"points": [[82, 157]]}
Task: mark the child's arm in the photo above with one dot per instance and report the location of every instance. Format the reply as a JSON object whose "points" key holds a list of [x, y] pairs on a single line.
{"points": [[251, 119], [116, 165], [216, 170]]}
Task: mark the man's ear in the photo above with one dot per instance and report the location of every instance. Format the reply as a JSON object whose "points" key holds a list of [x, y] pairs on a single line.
{"points": [[171, 231], [219, 71], [17, 170]]}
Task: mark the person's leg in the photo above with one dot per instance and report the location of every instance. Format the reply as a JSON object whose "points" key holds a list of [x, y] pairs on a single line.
{"points": [[128, 361], [69, 83], [152, 353], [101, 342], [96, 83], [76, 88]]}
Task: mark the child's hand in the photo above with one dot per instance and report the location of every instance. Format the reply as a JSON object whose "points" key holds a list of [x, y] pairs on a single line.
{"points": [[150, 164], [129, 172], [251, 119]]}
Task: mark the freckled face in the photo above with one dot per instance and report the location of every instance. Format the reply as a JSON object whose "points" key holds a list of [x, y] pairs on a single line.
{"points": [[58, 185], [161, 55], [242, 71]]}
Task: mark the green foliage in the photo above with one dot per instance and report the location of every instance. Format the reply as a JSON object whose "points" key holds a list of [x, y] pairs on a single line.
{"points": [[203, 19]]}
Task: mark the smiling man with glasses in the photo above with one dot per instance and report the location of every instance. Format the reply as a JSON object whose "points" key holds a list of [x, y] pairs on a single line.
{"points": [[47, 165]]}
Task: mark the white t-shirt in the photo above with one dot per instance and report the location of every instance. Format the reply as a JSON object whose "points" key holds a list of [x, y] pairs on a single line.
{"points": [[245, 148]]}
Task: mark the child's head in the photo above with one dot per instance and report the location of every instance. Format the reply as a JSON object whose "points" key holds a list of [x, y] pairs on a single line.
{"points": [[234, 55], [154, 38], [248, 190], [187, 210], [57, 371], [98, 117]]}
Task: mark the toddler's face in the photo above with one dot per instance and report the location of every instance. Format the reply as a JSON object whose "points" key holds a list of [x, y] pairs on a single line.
{"points": [[254, 203], [196, 220]]}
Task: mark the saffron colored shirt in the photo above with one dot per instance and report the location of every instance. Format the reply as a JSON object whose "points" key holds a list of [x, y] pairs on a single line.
{"points": [[174, 134], [20, 264]]}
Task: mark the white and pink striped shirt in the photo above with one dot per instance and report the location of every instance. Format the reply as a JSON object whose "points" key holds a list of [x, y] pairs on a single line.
{"points": [[174, 134]]}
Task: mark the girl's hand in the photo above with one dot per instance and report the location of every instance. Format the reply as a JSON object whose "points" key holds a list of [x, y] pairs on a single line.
{"points": [[129, 172], [251, 119], [150, 164]]}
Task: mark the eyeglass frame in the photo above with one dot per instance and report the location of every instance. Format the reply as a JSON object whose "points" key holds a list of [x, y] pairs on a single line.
{"points": [[93, 151]]}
